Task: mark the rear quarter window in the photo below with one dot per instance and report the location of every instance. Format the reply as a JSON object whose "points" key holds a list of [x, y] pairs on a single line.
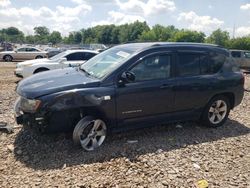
{"points": [[213, 63]]}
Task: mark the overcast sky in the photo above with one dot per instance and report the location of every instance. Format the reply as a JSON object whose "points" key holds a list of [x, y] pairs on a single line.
{"points": [[72, 15]]}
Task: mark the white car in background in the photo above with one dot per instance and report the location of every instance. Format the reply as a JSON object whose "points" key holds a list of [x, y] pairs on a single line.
{"points": [[69, 58]]}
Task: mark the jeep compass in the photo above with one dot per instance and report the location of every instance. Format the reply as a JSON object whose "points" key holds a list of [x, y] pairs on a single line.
{"points": [[130, 86]]}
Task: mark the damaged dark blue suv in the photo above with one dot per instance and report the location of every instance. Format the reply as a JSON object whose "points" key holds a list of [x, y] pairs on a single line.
{"points": [[130, 86]]}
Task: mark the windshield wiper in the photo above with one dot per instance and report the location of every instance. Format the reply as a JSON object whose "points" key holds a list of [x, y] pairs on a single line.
{"points": [[83, 70]]}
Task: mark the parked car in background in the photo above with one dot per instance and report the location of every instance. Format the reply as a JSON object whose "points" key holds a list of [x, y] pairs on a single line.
{"points": [[64, 59], [53, 51], [23, 53], [242, 58], [132, 86]]}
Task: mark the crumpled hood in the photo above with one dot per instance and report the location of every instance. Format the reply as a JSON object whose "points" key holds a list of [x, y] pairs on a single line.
{"points": [[54, 81]]}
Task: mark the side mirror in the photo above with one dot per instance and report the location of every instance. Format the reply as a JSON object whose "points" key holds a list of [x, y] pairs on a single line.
{"points": [[128, 77]]}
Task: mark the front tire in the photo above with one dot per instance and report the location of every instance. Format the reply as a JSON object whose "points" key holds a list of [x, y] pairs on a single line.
{"points": [[8, 58], [90, 133], [216, 112]]}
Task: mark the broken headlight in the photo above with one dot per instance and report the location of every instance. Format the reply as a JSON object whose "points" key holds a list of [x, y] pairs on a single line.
{"points": [[29, 105]]}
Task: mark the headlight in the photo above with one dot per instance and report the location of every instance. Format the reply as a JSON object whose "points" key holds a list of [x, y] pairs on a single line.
{"points": [[28, 105]]}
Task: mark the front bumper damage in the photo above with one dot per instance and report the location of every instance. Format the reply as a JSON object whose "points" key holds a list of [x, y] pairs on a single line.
{"points": [[28, 119]]}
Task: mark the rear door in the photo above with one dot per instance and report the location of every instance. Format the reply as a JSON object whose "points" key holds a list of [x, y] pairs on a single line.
{"points": [[196, 79], [31, 53], [20, 54]]}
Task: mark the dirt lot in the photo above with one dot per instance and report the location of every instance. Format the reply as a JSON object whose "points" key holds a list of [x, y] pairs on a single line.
{"points": [[166, 156]]}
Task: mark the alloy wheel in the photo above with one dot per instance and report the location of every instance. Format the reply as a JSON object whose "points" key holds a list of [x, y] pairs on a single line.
{"points": [[93, 135], [217, 112]]}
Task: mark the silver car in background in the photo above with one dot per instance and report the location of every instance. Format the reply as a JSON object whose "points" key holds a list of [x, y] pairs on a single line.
{"points": [[242, 58], [23, 53]]}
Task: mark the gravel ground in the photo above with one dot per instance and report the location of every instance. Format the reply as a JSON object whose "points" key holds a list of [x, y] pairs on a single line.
{"points": [[177, 155]]}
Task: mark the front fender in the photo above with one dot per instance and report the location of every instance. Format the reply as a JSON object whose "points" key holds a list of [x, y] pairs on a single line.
{"points": [[99, 100]]}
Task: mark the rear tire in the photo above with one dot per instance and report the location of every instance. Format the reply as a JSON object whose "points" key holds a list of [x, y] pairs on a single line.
{"points": [[216, 112], [39, 57], [8, 58]]}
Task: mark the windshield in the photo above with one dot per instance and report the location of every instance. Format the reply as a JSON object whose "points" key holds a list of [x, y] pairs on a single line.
{"points": [[58, 56], [107, 61]]}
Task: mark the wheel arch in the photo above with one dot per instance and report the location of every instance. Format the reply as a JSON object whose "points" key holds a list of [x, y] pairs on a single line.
{"points": [[7, 55], [39, 56], [229, 95], [40, 69]]}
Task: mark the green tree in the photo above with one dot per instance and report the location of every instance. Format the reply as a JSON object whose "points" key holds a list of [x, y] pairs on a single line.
{"points": [[188, 36], [219, 37], [41, 34], [55, 37], [77, 37], [30, 39], [41, 31], [158, 33], [242, 43], [12, 34]]}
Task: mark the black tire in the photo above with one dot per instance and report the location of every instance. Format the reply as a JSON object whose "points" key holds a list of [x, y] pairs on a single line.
{"points": [[40, 70], [207, 115], [8, 58], [84, 128], [39, 57]]}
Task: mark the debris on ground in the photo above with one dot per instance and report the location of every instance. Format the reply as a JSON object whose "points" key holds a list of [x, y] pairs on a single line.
{"points": [[4, 126], [159, 156]]}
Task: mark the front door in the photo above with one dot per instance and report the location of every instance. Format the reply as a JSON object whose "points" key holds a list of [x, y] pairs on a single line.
{"points": [[151, 94]]}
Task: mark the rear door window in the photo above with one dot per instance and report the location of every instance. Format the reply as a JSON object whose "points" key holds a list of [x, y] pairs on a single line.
{"points": [[21, 50], [188, 64], [77, 56], [88, 56]]}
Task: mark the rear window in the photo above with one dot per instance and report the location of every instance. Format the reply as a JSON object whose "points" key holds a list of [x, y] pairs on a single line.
{"points": [[236, 54]]}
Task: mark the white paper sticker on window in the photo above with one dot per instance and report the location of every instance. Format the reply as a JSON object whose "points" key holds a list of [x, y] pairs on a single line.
{"points": [[122, 54]]}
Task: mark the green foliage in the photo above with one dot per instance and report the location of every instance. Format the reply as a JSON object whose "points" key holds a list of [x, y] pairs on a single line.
{"points": [[242, 43], [219, 37], [41, 31], [188, 36], [133, 32], [159, 33], [11, 34], [55, 37]]}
